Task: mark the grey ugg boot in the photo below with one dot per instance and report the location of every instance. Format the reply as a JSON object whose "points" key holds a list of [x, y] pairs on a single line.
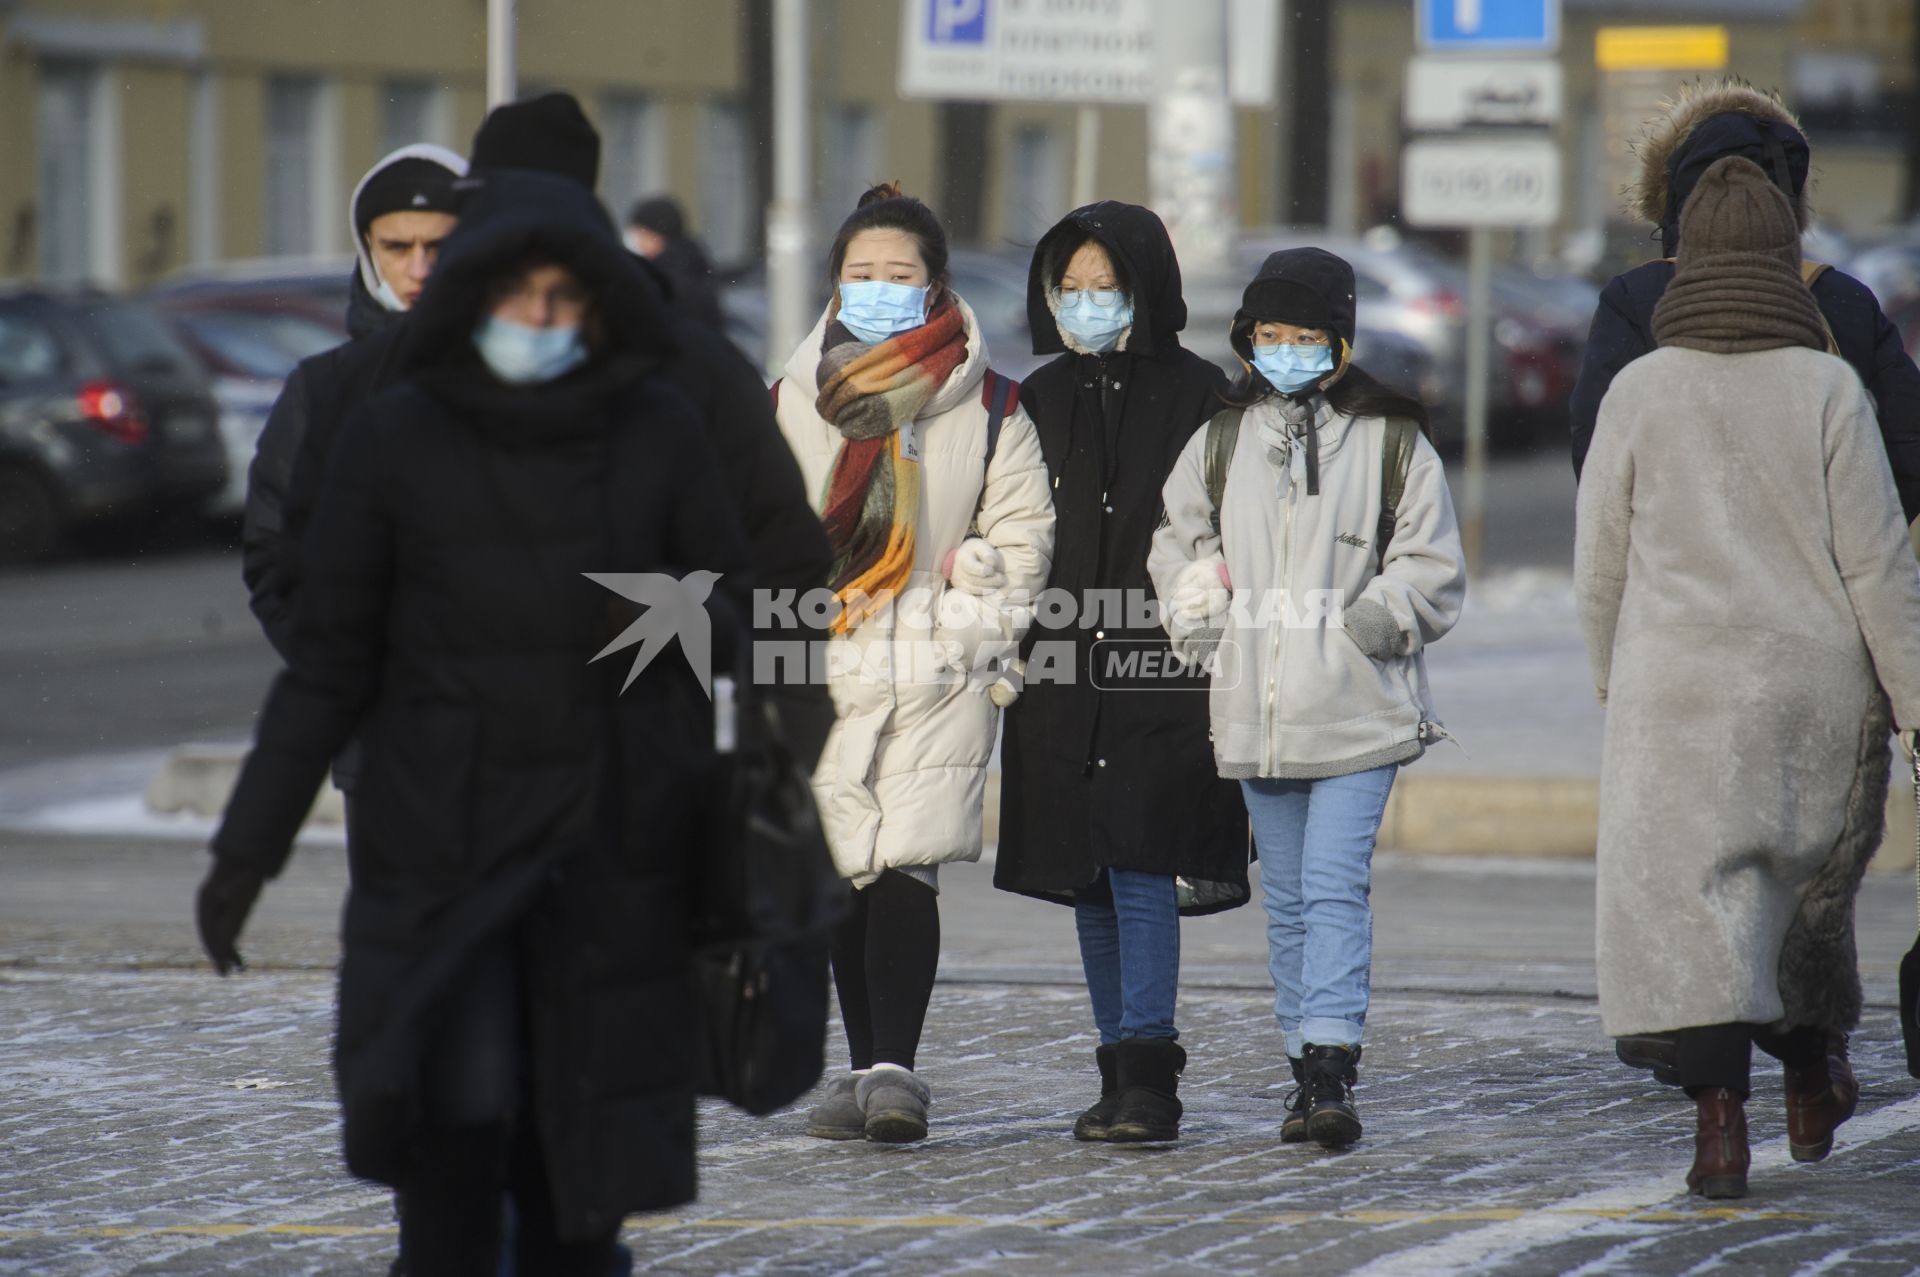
{"points": [[895, 1103], [1093, 1124], [839, 1116]]}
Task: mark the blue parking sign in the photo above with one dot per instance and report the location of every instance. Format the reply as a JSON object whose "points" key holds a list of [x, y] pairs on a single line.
{"points": [[1477, 26], [957, 21]]}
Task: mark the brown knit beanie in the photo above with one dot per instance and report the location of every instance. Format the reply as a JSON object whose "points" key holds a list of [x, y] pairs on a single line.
{"points": [[1738, 286]]}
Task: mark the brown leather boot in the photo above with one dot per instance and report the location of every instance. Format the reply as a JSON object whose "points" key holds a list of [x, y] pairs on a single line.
{"points": [[1820, 1096], [1720, 1157]]}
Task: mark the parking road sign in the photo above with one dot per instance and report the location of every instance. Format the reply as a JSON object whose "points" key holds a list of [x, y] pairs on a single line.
{"points": [[1482, 26], [1473, 182]]}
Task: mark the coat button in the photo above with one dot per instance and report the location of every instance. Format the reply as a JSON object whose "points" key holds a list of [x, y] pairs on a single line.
{"points": [[1099, 634], [1103, 762]]}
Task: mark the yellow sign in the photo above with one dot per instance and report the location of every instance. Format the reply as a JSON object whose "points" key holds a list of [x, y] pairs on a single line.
{"points": [[1661, 48]]}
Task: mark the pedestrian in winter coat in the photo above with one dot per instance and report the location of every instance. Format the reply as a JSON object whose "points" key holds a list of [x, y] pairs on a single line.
{"points": [[657, 231], [1747, 591], [400, 213], [1109, 800], [514, 997], [936, 536], [1319, 685], [1711, 120]]}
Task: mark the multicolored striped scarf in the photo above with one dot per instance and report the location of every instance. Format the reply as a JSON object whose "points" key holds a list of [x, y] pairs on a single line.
{"points": [[873, 495]]}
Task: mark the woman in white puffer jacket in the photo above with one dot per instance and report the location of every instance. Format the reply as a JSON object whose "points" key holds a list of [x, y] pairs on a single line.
{"points": [[930, 480]]}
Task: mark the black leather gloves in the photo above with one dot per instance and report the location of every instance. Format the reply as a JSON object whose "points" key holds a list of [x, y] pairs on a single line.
{"points": [[226, 898]]}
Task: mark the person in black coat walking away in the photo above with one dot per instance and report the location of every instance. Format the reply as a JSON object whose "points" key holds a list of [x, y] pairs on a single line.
{"points": [[1109, 798], [657, 230], [1710, 121], [515, 1011]]}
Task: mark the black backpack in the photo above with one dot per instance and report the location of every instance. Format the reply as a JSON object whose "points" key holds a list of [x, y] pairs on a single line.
{"points": [[1223, 435]]}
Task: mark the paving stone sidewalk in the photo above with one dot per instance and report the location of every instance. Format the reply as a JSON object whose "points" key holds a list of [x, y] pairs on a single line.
{"points": [[161, 1121]]}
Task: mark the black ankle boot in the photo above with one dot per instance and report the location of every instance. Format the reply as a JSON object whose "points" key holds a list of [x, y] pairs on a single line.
{"points": [[1148, 1074], [1293, 1130], [1332, 1120], [1093, 1124]]}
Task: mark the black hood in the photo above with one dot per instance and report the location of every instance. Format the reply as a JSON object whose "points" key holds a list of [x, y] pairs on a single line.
{"points": [[1137, 241], [509, 216], [1306, 286], [1775, 145]]}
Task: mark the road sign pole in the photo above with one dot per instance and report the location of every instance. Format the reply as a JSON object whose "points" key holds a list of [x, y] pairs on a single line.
{"points": [[502, 64], [789, 221], [1086, 155], [1473, 520], [1190, 161]]}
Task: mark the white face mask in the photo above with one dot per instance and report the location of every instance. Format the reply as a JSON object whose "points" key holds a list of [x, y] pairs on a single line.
{"points": [[385, 295]]}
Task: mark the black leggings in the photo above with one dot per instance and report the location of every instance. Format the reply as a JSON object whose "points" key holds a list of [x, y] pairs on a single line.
{"points": [[1717, 1056], [478, 1145], [884, 955]]}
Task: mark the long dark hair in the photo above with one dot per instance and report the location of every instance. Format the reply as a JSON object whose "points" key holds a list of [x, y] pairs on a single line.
{"points": [[887, 208]]}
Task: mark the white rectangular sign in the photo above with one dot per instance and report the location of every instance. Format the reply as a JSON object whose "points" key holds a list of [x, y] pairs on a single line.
{"points": [[1451, 92], [1480, 182], [1065, 50]]}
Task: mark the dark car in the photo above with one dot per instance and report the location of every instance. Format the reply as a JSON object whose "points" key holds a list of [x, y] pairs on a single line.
{"points": [[103, 414]]}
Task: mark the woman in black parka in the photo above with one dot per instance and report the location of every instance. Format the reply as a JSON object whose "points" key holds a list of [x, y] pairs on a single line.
{"points": [[514, 1009], [1110, 801]]}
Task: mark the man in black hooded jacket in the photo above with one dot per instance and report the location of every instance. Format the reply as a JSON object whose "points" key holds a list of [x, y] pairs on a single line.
{"points": [[1710, 121]]}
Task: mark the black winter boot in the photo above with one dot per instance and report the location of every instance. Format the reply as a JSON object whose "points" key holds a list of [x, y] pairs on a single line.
{"points": [[1148, 1075], [1093, 1124], [1294, 1129], [1332, 1120]]}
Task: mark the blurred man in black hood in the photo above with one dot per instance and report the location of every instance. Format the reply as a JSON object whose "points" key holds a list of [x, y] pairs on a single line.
{"points": [[1712, 120], [657, 231]]}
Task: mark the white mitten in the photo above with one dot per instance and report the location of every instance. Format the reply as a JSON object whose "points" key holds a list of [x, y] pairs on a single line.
{"points": [[1201, 591], [977, 567], [1006, 689]]}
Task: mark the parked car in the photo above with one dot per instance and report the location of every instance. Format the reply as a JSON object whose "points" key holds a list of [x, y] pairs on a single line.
{"points": [[103, 414], [249, 341]]}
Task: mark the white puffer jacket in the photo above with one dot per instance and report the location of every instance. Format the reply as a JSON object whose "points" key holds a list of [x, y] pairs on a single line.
{"points": [[902, 779]]}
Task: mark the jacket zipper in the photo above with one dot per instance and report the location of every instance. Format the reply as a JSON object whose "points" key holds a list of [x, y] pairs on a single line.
{"points": [[1276, 667]]}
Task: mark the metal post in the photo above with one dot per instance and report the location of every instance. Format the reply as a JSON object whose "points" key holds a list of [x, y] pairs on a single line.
{"points": [[1190, 163], [1473, 519], [1086, 155], [789, 219], [502, 73]]}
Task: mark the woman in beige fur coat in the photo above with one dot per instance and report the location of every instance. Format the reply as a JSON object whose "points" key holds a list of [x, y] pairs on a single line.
{"points": [[1747, 591]]}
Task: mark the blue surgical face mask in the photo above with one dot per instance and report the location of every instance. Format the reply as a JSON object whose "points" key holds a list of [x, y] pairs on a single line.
{"points": [[874, 310], [1290, 369], [1094, 318], [524, 356]]}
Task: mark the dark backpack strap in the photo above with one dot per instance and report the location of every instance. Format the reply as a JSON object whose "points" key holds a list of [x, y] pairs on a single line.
{"points": [[997, 395], [1223, 435], [1396, 456]]}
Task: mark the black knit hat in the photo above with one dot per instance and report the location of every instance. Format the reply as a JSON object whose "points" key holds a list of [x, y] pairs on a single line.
{"points": [[660, 214], [413, 184], [547, 134], [1309, 287]]}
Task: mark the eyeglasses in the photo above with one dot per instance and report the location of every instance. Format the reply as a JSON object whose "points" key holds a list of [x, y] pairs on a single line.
{"points": [[1100, 298]]}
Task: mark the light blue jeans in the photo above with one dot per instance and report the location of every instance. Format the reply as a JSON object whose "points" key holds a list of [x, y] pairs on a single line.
{"points": [[1129, 926], [1315, 842]]}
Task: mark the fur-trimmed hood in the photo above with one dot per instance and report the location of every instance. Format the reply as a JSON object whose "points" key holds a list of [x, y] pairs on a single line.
{"points": [[1712, 119]]}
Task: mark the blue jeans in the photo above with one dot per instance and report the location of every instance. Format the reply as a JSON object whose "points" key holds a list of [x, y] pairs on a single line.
{"points": [[1315, 841], [1129, 927]]}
